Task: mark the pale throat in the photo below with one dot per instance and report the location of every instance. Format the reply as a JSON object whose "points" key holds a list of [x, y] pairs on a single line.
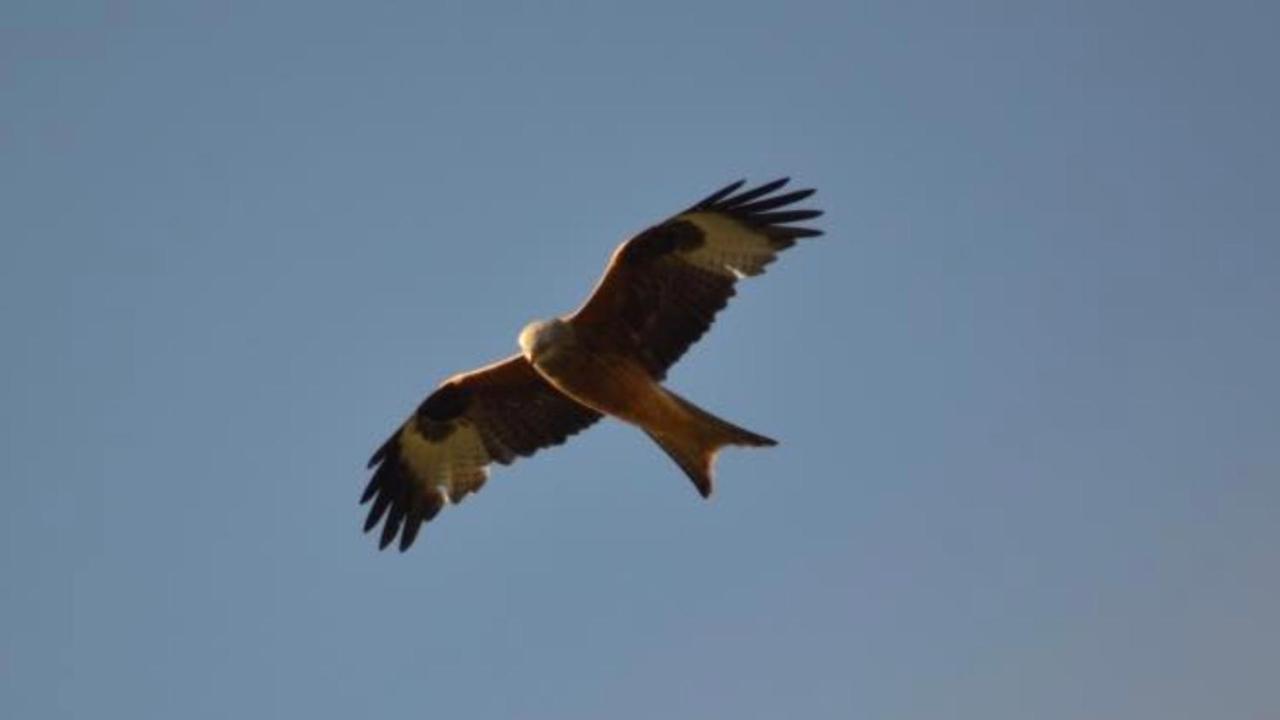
{"points": [[542, 339]]}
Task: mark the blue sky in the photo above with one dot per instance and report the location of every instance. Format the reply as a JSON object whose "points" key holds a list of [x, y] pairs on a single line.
{"points": [[1025, 385]]}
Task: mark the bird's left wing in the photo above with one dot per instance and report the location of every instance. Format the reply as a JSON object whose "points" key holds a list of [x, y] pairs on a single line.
{"points": [[439, 455], [663, 287]]}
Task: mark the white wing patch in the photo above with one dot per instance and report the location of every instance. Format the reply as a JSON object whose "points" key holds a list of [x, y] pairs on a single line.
{"points": [[454, 466], [731, 247]]}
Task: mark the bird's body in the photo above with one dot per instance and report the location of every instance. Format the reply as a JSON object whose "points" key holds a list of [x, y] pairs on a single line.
{"points": [[607, 382], [659, 294], [616, 384]]}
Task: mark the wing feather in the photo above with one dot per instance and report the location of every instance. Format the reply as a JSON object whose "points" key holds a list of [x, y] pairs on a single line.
{"points": [[440, 454], [742, 197], [663, 287], [721, 193]]}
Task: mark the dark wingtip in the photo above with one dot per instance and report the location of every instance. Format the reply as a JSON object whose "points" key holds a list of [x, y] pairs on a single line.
{"points": [[383, 450], [391, 526], [743, 198], [799, 232], [777, 201], [720, 194], [409, 533], [760, 208], [369, 490], [412, 524], [376, 512], [782, 217]]}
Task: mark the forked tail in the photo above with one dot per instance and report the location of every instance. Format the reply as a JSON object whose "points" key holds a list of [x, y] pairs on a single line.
{"points": [[694, 443]]}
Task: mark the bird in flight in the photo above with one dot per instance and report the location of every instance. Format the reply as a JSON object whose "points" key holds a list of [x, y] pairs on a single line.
{"points": [[659, 294]]}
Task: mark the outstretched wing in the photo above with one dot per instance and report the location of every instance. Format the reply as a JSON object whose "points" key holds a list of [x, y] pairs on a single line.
{"points": [[663, 287], [439, 455]]}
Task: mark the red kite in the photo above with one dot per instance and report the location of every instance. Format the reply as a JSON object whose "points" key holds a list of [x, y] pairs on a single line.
{"points": [[659, 294]]}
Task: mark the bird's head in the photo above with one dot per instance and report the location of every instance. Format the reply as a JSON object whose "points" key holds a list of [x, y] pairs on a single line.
{"points": [[541, 337]]}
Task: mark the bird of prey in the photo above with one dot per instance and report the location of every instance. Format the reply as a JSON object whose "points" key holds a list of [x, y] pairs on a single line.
{"points": [[659, 294]]}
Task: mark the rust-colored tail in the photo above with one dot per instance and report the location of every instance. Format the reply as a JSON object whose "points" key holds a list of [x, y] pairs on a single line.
{"points": [[694, 444]]}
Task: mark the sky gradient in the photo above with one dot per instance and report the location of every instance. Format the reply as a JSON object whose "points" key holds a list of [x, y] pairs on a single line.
{"points": [[1025, 386]]}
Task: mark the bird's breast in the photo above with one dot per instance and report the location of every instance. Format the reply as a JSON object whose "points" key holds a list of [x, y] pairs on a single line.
{"points": [[608, 383]]}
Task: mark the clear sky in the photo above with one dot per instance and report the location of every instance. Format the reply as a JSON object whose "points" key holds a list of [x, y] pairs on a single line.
{"points": [[1025, 386]]}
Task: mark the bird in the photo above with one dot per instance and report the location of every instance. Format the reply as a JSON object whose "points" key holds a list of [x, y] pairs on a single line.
{"points": [[659, 293]]}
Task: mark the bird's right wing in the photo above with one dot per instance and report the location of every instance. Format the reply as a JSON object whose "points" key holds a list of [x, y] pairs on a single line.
{"points": [[439, 455]]}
